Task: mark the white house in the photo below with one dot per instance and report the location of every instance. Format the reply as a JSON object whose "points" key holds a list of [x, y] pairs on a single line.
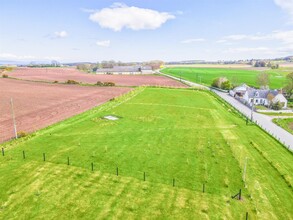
{"points": [[251, 96]]}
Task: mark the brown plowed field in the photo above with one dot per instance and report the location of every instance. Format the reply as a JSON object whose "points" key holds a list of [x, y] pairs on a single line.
{"points": [[64, 74], [38, 105]]}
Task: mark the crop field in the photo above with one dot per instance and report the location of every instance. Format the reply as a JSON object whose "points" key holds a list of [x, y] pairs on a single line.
{"points": [[236, 76], [172, 153], [63, 74], [38, 105]]}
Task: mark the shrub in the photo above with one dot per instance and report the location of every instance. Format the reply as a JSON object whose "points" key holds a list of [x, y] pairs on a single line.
{"points": [[109, 84], [5, 76], [277, 106], [21, 134], [226, 85], [70, 81], [222, 83], [55, 81], [99, 83]]}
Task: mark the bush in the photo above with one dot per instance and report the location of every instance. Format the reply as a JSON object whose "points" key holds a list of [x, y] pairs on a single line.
{"points": [[277, 106], [99, 83], [222, 83], [109, 84], [226, 85], [5, 76], [55, 81], [70, 81], [21, 134]]}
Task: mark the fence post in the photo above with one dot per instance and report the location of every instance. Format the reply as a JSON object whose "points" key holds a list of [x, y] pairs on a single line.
{"points": [[68, 162], [23, 154], [143, 176], [3, 153], [246, 216], [203, 188], [117, 171], [240, 194], [44, 156], [173, 182], [92, 166]]}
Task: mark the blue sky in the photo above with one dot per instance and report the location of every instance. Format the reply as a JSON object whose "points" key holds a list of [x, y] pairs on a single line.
{"points": [[142, 30]]}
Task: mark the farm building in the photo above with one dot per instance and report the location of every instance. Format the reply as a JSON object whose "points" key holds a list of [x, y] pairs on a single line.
{"points": [[250, 96], [132, 70]]}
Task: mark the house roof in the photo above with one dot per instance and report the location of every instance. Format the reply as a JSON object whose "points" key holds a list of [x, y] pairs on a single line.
{"points": [[241, 88], [260, 93], [279, 98]]}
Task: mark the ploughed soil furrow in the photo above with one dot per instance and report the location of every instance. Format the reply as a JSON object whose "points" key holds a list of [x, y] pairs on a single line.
{"points": [[38, 105], [63, 74]]}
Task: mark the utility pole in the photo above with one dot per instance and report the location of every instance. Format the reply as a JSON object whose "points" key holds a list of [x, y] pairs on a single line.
{"points": [[13, 118], [252, 110]]}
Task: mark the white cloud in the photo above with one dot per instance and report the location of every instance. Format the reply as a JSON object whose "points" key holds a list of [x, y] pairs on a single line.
{"points": [[248, 49], [188, 41], [88, 10], [247, 37], [11, 56], [8, 56], [61, 34], [282, 36], [286, 5], [120, 16], [221, 41], [105, 43]]}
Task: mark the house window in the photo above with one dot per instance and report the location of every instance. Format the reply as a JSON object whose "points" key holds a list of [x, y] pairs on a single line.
{"points": [[256, 101]]}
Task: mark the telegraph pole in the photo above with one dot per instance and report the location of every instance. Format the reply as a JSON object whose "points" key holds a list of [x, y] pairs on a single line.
{"points": [[252, 110], [13, 118]]}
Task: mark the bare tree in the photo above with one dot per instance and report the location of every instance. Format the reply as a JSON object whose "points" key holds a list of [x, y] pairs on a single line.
{"points": [[289, 86], [263, 80]]}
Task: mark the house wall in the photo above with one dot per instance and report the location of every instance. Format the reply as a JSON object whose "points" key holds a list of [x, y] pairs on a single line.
{"points": [[280, 98]]}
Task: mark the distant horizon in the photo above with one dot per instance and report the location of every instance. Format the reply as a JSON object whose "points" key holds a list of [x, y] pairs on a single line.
{"points": [[38, 62]]}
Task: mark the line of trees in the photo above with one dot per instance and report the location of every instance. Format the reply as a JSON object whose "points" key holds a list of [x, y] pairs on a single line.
{"points": [[92, 67]]}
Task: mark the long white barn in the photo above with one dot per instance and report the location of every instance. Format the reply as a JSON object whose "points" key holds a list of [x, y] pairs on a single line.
{"points": [[128, 70]]}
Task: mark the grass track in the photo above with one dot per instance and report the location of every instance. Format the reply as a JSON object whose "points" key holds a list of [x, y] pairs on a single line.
{"points": [[183, 134]]}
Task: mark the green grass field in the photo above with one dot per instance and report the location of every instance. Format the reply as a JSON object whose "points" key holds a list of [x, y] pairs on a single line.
{"points": [[184, 134], [286, 123], [236, 76]]}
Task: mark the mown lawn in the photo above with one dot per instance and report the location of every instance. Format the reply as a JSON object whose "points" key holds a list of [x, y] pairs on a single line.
{"points": [[236, 76], [181, 134]]}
